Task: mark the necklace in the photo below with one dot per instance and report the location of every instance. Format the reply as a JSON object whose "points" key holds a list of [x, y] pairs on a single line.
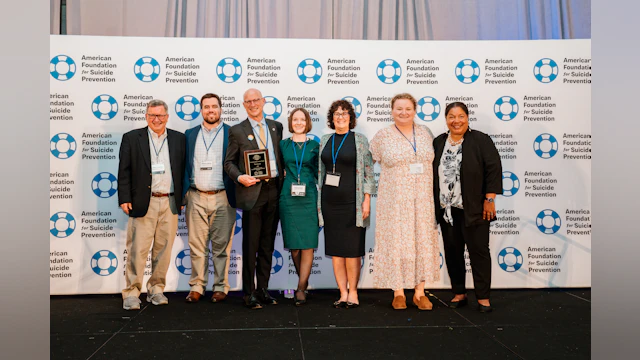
{"points": [[454, 143]]}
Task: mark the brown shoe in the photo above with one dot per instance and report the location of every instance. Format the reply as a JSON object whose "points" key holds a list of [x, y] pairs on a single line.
{"points": [[218, 296], [193, 297], [399, 303], [423, 304]]}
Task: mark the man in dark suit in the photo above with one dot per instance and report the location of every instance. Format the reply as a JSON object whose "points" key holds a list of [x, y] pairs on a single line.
{"points": [[210, 200], [258, 199], [150, 176]]}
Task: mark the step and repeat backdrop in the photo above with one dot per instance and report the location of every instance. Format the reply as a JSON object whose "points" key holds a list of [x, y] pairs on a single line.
{"points": [[532, 98]]}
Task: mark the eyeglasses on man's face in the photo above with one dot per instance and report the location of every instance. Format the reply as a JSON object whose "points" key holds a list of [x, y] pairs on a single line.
{"points": [[154, 116], [254, 101], [341, 114]]}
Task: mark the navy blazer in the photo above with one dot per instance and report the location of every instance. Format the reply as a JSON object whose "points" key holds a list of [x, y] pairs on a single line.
{"points": [[239, 142], [192, 138], [134, 169]]}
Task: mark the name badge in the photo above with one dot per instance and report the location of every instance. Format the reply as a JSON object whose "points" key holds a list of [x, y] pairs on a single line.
{"points": [[298, 189], [417, 168], [272, 166], [206, 165], [157, 168], [333, 179]]}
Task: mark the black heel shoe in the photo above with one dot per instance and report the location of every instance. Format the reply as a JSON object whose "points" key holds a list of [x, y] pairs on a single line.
{"points": [[300, 302], [458, 304], [484, 308], [351, 305], [339, 304]]}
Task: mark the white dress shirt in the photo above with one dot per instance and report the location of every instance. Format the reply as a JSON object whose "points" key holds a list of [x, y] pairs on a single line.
{"points": [[159, 149], [209, 180]]}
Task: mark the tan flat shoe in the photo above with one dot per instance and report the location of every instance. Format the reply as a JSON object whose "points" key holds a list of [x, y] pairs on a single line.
{"points": [[399, 303], [423, 303]]}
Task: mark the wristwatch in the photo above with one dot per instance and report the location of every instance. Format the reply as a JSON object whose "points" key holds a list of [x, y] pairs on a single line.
{"points": [[489, 199]]}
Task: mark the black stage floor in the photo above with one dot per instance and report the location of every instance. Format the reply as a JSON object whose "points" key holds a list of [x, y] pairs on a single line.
{"points": [[525, 324]]}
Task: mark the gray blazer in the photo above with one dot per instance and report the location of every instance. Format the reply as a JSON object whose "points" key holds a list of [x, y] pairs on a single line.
{"points": [[365, 182]]}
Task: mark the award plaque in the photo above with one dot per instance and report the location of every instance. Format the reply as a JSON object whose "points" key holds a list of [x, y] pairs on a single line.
{"points": [[256, 163]]}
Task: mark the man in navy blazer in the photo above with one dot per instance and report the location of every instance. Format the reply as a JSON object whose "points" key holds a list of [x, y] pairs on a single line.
{"points": [[210, 199], [258, 199], [150, 175]]}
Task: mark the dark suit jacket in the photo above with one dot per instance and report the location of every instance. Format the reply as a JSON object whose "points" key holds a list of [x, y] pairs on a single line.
{"points": [[134, 170], [246, 197], [480, 173], [192, 136]]}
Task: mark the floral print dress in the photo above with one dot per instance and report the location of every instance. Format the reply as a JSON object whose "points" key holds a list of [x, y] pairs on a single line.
{"points": [[406, 237]]}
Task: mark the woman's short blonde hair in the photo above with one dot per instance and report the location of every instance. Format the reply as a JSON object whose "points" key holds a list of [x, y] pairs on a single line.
{"points": [[405, 96]]}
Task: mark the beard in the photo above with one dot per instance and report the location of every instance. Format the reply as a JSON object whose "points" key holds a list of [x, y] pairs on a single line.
{"points": [[211, 120]]}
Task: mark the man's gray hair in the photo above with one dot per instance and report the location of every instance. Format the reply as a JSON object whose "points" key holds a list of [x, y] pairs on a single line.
{"points": [[157, 102]]}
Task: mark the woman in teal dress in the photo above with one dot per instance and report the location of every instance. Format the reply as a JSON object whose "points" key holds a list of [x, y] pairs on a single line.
{"points": [[298, 198]]}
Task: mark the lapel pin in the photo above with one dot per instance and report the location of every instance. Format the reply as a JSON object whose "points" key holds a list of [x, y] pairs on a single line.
{"points": [[250, 137]]}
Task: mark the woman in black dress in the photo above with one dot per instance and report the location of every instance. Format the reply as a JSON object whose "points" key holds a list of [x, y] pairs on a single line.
{"points": [[346, 181]]}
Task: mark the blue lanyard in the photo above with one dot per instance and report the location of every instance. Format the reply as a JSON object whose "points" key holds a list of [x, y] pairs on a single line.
{"points": [[334, 154], [214, 138], [298, 165], [154, 145], [414, 145], [266, 146]]}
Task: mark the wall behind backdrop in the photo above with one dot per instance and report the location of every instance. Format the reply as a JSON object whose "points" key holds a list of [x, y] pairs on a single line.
{"points": [[327, 19]]}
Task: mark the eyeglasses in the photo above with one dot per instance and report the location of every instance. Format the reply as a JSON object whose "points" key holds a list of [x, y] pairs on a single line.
{"points": [[160, 117], [249, 102], [342, 114]]}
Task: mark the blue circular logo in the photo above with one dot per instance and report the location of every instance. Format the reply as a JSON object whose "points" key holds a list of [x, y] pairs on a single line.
{"points": [[357, 107], [510, 259], [229, 70], [467, 71], [389, 71], [309, 71], [510, 183], [187, 108], [545, 146], [104, 262], [63, 145], [238, 227], [441, 260], [104, 185], [104, 107], [183, 262], [313, 137], [428, 108], [548, 221], [545, 70], [62, 67], [62, 224], [272, 108], [506, 108], [146, 69], [320, 229], [278, 262]]}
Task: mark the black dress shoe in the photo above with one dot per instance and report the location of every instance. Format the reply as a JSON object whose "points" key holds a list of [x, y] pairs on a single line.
{"points": [[265, 298], [251, 301], [485, 309], [458, 304]]}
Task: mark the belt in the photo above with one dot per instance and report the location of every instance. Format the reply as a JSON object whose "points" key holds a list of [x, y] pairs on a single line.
{"points": [[212, 192], [155, 194]]}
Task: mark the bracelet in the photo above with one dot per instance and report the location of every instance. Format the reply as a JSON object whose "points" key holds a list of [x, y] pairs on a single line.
{"points": [[489, 200]]}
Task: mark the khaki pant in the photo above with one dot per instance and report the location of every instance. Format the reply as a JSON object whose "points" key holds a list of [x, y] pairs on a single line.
{"points": [[210, 220], [158, 228]]}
